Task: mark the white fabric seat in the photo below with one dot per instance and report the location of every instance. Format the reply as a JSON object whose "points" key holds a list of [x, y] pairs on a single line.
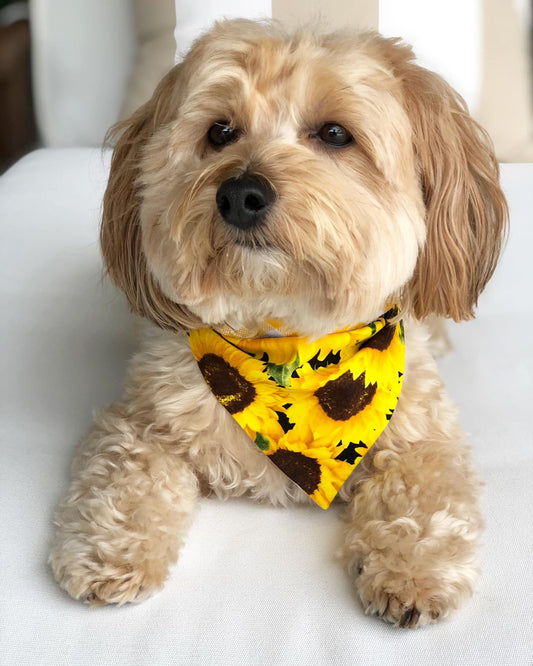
{"points": [[254, 585]]}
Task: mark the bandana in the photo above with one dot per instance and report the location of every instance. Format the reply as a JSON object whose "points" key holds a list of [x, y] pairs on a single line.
{"points": [[313, 407]]}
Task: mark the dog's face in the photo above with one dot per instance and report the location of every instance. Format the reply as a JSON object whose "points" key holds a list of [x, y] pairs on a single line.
{"points": [[311, 179]]}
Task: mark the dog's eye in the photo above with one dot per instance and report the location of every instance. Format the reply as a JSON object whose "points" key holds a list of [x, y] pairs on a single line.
{"points": [[222, 133], [334, 135]]}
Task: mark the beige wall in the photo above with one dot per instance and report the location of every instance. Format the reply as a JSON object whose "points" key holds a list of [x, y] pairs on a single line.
{"points": [[505, 107], [335, 13]]}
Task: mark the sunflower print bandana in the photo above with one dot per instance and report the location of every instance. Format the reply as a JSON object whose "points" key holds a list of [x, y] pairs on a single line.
{"points": [[313, 407]]}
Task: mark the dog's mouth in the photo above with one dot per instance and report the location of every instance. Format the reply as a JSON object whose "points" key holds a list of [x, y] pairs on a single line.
{"points": [[255, 242]]}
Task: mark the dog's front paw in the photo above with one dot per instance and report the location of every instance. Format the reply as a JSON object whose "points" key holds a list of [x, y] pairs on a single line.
{"points": [[402, 610], [410, 601], [87, 576]]}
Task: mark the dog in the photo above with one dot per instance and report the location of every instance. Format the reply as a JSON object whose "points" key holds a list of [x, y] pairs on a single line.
{"points": [[318, 180]]}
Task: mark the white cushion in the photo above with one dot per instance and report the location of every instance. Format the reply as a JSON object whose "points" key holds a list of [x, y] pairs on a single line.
{"points": [[254, 585], [82, 55]]}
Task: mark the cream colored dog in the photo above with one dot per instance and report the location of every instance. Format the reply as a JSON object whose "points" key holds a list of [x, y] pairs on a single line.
{"points": [[361, 181]]}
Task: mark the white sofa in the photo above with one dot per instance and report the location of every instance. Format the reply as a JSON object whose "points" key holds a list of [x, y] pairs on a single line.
{"points": [[254, 585]]}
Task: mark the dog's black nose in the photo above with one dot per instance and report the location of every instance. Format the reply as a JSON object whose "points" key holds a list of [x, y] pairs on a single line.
{"points": [[244, 201]]}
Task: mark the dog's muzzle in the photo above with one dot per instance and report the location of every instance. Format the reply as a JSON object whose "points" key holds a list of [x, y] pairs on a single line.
{"points": [[243, 201]]}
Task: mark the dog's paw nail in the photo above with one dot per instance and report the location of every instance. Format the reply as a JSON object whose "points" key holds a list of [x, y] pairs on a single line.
{"points": [[382, 613], [410, 618], [93, 600], [404, 620]]}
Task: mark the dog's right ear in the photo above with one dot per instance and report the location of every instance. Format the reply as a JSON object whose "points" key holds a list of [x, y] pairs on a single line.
{"points": [[120, 233]]}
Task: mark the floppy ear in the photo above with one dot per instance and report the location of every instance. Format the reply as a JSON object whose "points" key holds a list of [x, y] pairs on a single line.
{"points": [[120, 233], [466, 211]]}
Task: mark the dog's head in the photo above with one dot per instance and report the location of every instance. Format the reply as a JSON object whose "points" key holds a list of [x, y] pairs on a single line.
{"points": [[313, 179]]}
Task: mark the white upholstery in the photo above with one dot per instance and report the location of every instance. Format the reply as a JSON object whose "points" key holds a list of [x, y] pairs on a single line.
{"points": [[254, 585], [82, 56]]}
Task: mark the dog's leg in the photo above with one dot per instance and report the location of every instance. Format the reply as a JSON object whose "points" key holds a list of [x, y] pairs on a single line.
{"points": [[134, 491], [413, 520], [125, 515]]}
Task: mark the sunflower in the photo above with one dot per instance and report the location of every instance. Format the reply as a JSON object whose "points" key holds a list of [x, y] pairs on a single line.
{"points": [[346, 408], [381, 357], [326, 357], [277, 350], [239, 383], [284, 358], [311, 467]]}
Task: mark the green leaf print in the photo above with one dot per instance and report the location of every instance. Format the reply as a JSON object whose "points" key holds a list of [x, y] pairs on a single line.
{"points": [[281, 374]]}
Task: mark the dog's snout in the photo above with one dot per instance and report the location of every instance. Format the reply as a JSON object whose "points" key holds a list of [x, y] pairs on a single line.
{"points": [[244, 201]]}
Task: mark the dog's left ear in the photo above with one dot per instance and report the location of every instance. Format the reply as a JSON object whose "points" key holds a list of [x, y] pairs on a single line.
{"points": [[466, 211]]}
